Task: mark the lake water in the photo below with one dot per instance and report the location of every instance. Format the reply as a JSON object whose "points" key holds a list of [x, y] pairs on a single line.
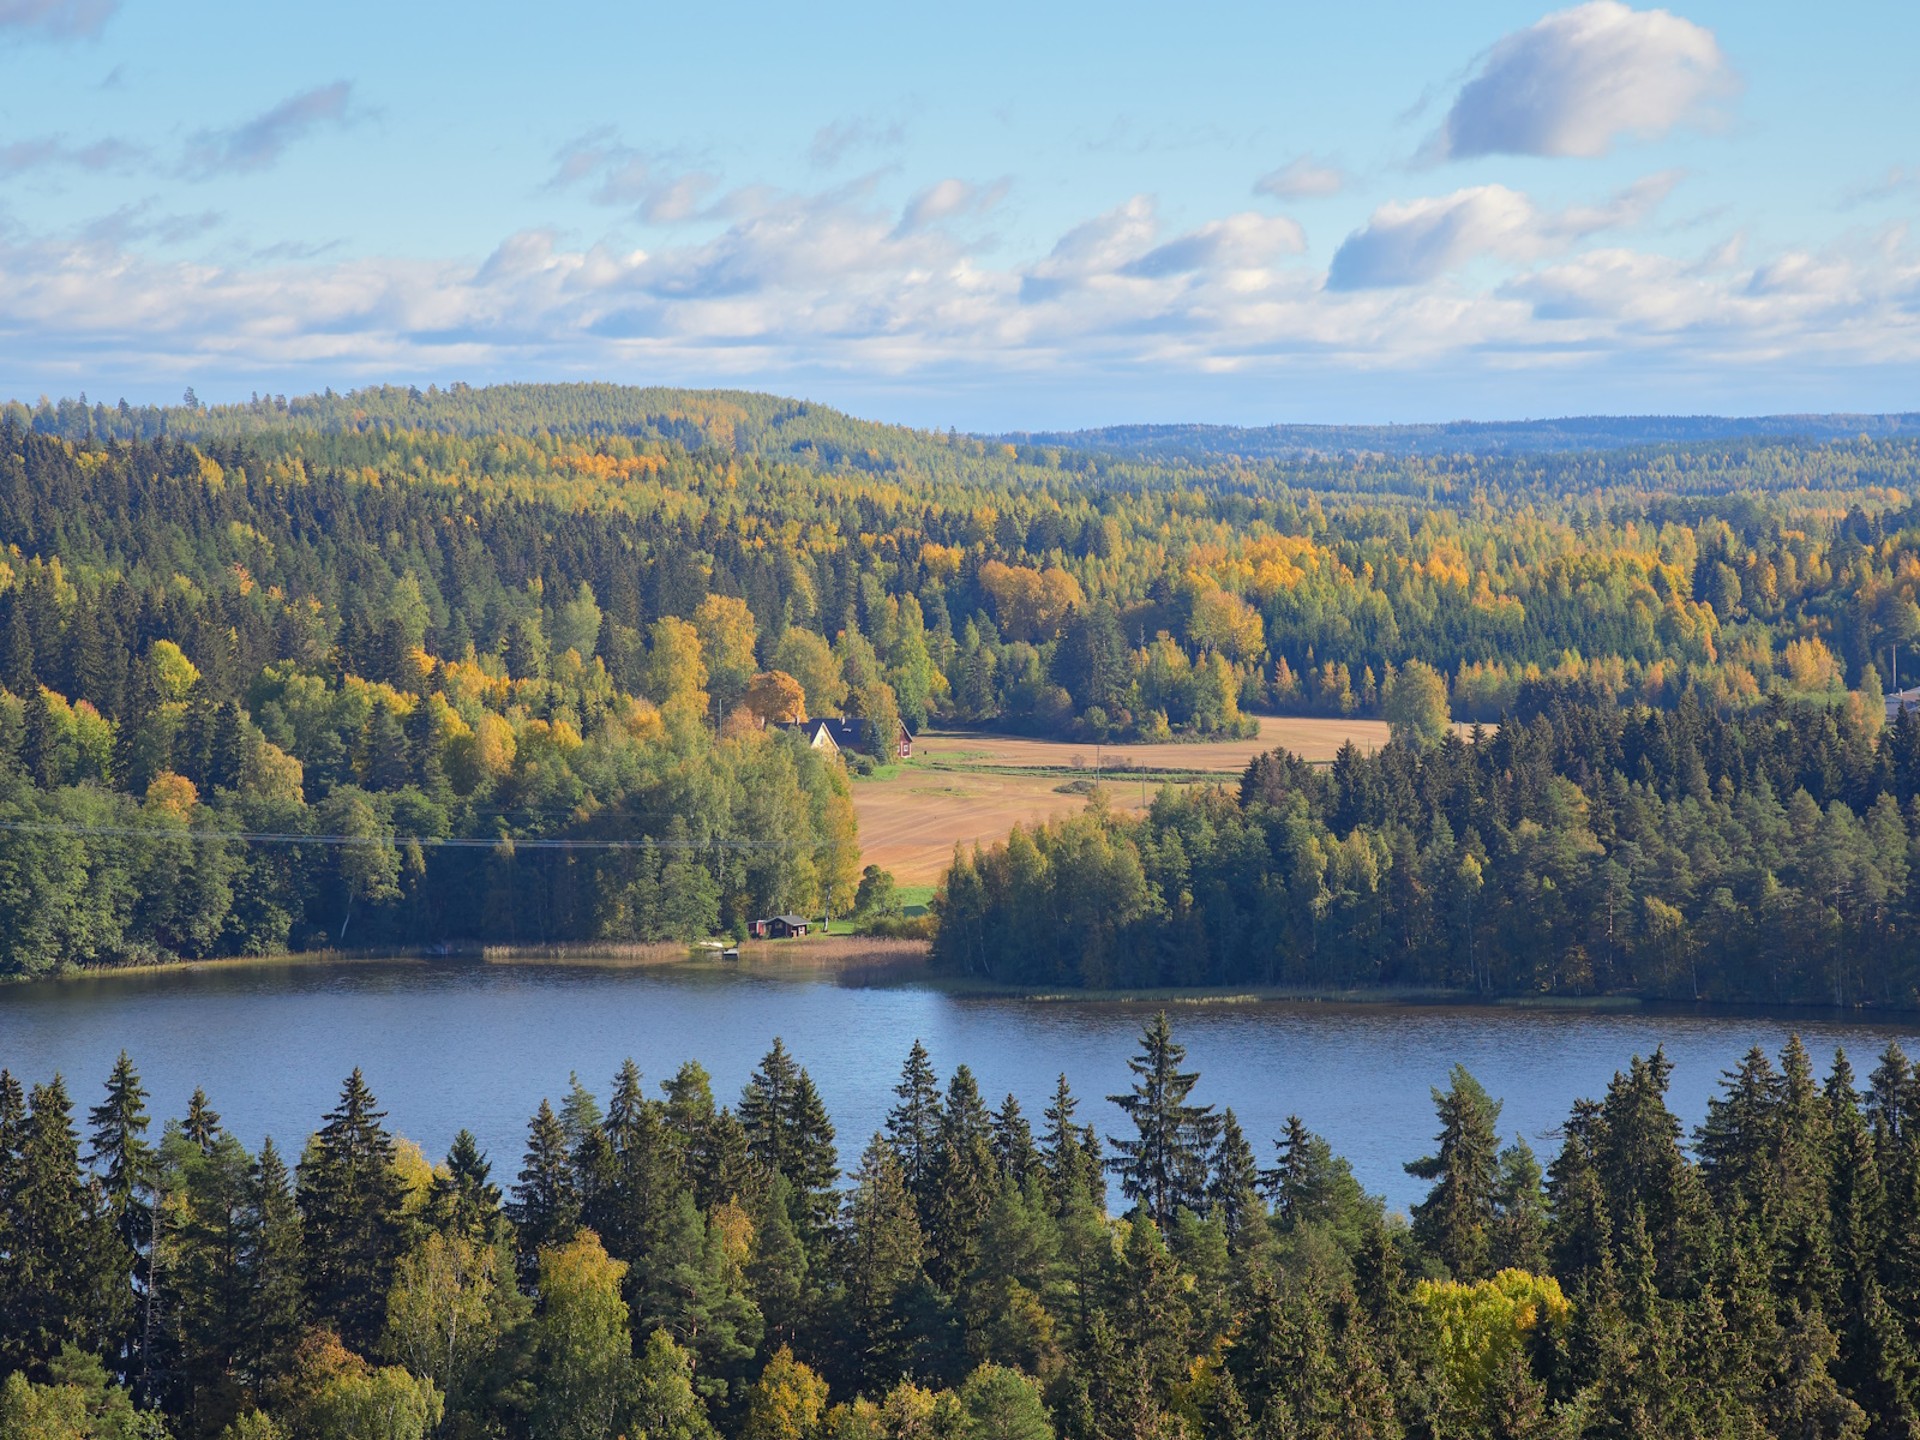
{"points": [[445, 1045]]}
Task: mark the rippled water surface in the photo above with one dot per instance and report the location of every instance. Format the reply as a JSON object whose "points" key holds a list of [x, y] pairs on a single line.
{"points": [[446, 1045]]}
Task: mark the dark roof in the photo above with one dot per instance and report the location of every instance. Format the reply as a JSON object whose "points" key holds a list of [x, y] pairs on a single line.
{"points": [[792, 919], [849, 733]]}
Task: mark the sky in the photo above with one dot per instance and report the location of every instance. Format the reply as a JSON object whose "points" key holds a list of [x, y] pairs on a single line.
{"points": [[991, 216]]}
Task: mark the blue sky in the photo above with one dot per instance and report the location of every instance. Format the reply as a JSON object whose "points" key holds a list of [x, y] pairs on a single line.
{"points": [[991, 216]]}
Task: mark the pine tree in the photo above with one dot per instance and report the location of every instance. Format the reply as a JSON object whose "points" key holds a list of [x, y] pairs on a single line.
{"points": [[465, 1201], [1165, 1165], [350, 1209], [1454, 1221]]}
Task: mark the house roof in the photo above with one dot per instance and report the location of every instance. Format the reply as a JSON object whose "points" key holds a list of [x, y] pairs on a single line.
{"points": [[792, 919], [849, 733]]}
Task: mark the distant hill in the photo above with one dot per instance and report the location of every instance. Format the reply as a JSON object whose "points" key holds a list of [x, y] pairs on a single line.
{"points": [[1583, 432], [751, 422]]}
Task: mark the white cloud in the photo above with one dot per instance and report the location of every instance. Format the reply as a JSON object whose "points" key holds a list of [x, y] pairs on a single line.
{"points": [[655, 186], [950, 199], [1412, 242], [1304, 178], [833, 284], [56, 19], [1578, 80], [1247, 241]]}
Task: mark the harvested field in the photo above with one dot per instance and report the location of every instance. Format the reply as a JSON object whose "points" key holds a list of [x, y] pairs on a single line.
{"points": [[968, 787], [1310, 737], [910, 821]]}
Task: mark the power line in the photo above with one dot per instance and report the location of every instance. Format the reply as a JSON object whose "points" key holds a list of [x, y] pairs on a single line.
{"points": [[425, 842]]}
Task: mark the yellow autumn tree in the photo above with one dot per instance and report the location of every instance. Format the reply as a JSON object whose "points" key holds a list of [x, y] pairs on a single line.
{"points": [[787, 1402], [1474, 1329], [676, 676], [774, 697], [727, 634]]}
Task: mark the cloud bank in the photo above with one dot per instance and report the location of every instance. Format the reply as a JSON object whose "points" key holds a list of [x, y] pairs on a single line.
{"points": [[1580, 79]]}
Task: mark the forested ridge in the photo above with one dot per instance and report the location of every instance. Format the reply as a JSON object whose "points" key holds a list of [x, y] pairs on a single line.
{"points": [[668, 1267], [505, 664]]}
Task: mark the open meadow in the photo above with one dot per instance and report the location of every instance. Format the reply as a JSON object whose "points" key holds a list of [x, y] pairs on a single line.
{"points": [[963, 787]]}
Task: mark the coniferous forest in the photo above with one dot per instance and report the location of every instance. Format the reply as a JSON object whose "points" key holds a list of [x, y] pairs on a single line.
{"points": [[406, 668], [664, 1266]]}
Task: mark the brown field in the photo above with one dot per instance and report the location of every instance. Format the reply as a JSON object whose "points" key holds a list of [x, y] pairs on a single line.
{"points": [[964, 787], [1310, 737]]}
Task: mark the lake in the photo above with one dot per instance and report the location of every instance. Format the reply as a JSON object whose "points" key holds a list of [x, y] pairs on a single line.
{"points": [[446, 1044]]}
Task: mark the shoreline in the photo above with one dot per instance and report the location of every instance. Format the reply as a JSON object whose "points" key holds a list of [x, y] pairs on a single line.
{"points": [[881, 962]]}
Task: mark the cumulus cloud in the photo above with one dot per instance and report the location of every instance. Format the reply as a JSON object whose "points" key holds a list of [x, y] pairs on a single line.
{"points": [[950, 199], [1303, 178], [1578, 80], [257, 143], [1246, 241], [1412, 242], [56, 152], [55, 19]]}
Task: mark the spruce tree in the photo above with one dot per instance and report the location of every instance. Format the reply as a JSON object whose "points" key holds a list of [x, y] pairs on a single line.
{"points": [[1453, 1222], [202, 1125], [1013, 1147], [965, 1179], [546, 1202], [123, 1160], [913, 1125], [350, 1209], [13, 1128], [465, 1201], [276, 1268], [1070, 1153], [70, 1270], [1164, 1165], [789, 1134], [1233, 1190]]}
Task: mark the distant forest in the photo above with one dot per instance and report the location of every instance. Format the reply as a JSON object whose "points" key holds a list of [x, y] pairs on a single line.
{"points": [[1576, 432], [509, 663], [672, 1268], [1585, 848]]}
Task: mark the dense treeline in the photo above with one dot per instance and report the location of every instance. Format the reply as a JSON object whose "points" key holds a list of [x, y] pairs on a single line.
{"points": [[377, 679], [667, 1267], [1583, 848], [504, 664]]}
